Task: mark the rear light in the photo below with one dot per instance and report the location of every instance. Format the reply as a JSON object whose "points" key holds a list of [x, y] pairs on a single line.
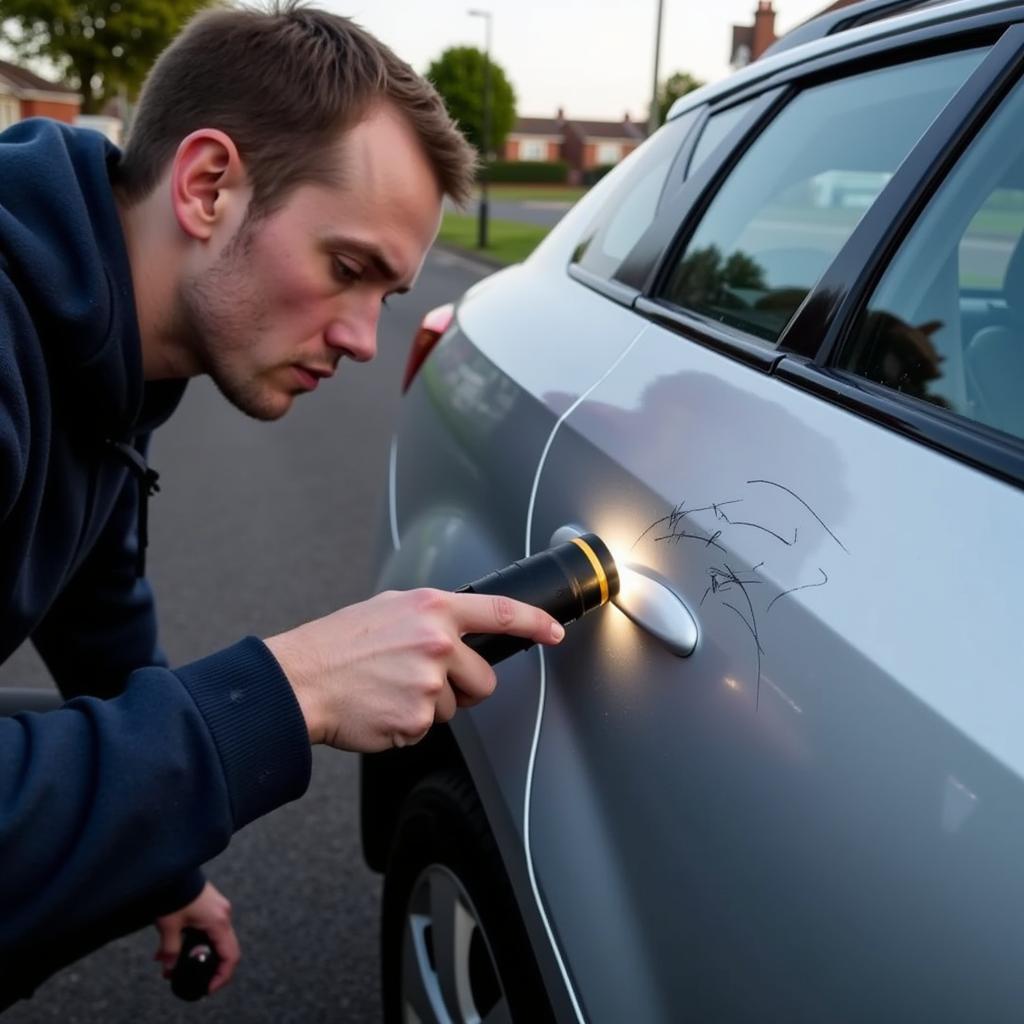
{"points": [[433, 325]]}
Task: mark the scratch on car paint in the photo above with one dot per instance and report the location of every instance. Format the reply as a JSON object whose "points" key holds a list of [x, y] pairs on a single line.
{"points": [[679, 535], [730, 578], [678, 513], [772, 483], [795, 589], [722, 578], [757, 526]]}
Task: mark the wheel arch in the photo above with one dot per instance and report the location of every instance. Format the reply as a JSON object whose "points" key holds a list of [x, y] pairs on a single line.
{"points": [[385, 780]]}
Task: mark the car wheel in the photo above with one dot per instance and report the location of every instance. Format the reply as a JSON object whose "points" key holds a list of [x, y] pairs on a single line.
{"points": [[454, 948]]}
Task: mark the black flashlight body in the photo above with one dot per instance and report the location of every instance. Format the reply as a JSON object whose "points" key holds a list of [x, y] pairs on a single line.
{"points": [[196, 965], [567, 581]]}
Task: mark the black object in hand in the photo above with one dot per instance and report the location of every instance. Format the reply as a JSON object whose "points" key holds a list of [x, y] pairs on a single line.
{"points": [[196, 966], [567, 581]]}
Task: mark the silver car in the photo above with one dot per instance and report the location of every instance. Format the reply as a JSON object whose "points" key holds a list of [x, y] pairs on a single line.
{"points": [[788, 785]]}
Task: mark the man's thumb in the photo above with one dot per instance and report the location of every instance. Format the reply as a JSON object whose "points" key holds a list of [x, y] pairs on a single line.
{"points": [[170, 942]]}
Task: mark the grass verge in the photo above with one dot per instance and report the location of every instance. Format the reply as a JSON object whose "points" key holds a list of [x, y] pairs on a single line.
{"points": [[509, 241]]}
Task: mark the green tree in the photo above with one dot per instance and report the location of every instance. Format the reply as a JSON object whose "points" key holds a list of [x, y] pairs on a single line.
{"points": [[458, 75], [676, 85], [99, 46]]}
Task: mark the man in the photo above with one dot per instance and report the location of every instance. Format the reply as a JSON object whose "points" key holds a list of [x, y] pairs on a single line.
{"points": [[284, 175]]}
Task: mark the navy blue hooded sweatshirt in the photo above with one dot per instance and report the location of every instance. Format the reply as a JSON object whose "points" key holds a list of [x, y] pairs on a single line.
{"points": [[107, 806]]}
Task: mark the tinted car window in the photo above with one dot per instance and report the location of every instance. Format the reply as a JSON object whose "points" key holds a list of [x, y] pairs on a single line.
{"points": [[629, 210], [984, 249], [717, 127], [946, 323], [796, 195]]}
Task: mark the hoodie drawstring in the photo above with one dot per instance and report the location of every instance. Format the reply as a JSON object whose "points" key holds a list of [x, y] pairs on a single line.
{"points": [[147, 479]]}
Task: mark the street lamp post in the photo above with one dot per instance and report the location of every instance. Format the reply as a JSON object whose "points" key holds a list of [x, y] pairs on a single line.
{"points": [[485, 135], [652, 125]]}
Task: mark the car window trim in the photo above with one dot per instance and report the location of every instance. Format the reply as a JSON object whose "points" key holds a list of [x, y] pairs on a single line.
{"points": [[678, 172], [653, 256], [710, 333], [814, 338], [702, 189], [613, 289], [968, 441], [712, 110], [608, 287], [826, 316], [681, 213], [960, 33]]}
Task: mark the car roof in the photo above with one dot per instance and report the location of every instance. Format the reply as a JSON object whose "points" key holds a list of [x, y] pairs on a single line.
{"points": [[892, 25], [845, 16]]}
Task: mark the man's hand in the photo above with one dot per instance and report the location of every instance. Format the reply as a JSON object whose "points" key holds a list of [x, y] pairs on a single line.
{"points": [[378, 674], [211, 913]]}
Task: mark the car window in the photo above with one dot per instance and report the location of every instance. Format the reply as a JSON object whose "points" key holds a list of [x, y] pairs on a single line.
{"points": [[717, 127], [946, 323], [796, 195], [629, 210], [984, 253]]}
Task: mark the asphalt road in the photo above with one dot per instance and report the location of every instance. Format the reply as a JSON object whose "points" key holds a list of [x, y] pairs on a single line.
{"points": [[259, 527], [533, 211], [545, 212]]}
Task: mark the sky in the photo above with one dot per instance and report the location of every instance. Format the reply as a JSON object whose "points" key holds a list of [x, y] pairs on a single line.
{"points": [[594, 58]]}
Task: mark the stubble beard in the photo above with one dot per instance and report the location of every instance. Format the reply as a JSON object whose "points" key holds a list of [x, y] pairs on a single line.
{"points": [[220, 315]]}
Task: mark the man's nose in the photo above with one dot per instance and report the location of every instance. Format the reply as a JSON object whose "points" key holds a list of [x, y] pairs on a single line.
{"points": [[355, 337]]}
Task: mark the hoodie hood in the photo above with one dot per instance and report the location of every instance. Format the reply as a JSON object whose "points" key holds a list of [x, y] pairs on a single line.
{"points": [[62, 245]]}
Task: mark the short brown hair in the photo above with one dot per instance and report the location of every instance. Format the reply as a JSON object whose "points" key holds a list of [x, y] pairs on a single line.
{"points": [[283, 83]]}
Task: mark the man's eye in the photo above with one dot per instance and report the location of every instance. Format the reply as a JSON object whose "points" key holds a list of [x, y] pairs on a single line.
{"points": [[346, 271]]}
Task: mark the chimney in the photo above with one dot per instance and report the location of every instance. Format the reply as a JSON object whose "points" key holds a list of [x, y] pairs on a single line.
{"points": [[764, 28], [560, 116], [625, 118]]}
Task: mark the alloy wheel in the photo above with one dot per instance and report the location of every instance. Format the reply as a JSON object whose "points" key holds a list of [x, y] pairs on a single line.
{"points": [[448, 970]]}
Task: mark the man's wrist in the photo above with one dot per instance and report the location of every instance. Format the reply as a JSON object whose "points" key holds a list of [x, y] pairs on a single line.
{"points": [[296, 665]]}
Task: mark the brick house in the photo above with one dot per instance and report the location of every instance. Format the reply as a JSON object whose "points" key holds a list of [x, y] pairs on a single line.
{"points": [[583, 145], [750, 41], [24, 94], [536, 138]]}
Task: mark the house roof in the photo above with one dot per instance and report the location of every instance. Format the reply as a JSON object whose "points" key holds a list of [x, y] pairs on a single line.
{"points": [[608, 129], [22, 80], [539, 126], [557, 128]]}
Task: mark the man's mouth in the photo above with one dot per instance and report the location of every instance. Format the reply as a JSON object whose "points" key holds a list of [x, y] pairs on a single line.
{"points": [[310, 376]]}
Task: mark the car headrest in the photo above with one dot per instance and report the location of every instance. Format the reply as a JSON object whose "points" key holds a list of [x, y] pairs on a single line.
{"points": [[1013, 284]]}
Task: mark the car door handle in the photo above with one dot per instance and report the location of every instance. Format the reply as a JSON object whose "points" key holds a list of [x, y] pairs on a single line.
{"points": [[648, 600], [655, 607]]}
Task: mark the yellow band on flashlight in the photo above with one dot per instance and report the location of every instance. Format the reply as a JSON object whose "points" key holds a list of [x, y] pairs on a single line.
{"points": [[597, 566]]}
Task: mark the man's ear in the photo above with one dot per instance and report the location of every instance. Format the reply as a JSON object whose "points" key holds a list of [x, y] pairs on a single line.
{"points": [[207, 182]]}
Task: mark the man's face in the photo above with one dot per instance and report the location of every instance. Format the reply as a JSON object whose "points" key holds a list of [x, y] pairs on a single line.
{"points": [[294, 292]]}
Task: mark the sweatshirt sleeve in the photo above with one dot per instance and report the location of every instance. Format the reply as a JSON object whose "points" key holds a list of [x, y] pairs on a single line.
{"points": [[108, 804]]}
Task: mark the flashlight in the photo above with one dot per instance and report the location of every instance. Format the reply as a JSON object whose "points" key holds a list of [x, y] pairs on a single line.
{"points": [[197, 964], [566, 580]]}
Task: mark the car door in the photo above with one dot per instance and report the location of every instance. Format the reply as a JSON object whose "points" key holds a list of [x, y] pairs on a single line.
{"points": [[818, 814], [472, 430]]}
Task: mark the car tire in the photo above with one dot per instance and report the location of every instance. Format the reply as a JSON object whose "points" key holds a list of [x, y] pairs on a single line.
{"points": [[445, 879]]}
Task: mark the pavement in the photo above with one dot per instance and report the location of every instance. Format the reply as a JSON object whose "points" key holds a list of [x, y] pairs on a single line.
{"points": [[258, 527]]}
